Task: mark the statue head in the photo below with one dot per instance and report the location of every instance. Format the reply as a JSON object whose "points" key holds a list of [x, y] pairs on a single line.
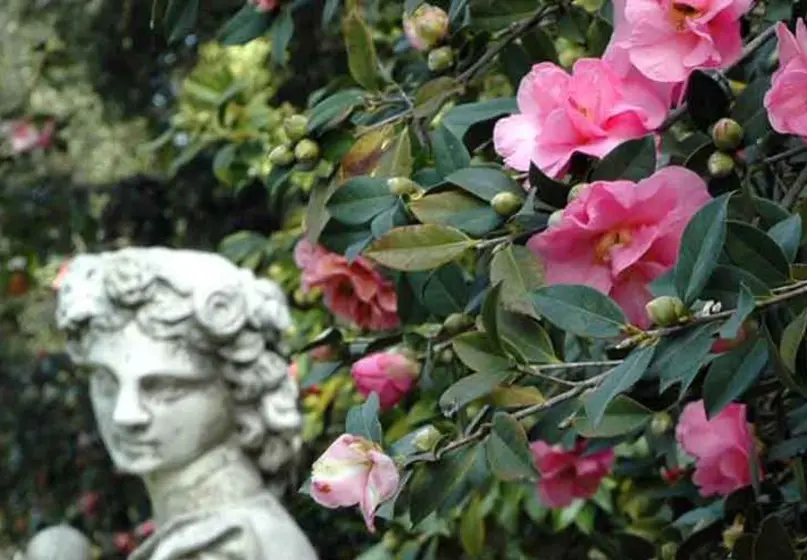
{"points": [[183, 354]]}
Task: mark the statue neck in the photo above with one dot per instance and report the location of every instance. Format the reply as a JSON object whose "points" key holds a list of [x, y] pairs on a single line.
{"points": [[220, 477]]}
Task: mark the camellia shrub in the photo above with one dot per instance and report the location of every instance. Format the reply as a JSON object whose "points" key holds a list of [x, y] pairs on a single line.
{"points": [[547, 266]]}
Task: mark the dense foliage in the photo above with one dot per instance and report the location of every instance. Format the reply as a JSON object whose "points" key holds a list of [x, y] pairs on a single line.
{"points": [[546, 261]]}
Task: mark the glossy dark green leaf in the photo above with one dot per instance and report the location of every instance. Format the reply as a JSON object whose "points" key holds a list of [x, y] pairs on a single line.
{"points": [[282, 32], [548, 190], [245, 26], [619, 380], [361, 54], [580, 310], [623, 415], [180, 18], [508, 450], [445, 290], [679, 359], [360, 200], [450, 153], [519, 271], [745, 305], [468, 389], [725, 282], [433, 484], [419, 247], [633, 160], [787, 234], [526, 337], [490, 315], [731, 374], [701, 242], [753, 250], [597, 36], [773, 540], [539, 46], [334, 109], [706, 100], [320, 372], [458, 209], [479, 352], [362, 420], [460, 118], [388, 219], [749, 102], [485, 182], [792, 339]]}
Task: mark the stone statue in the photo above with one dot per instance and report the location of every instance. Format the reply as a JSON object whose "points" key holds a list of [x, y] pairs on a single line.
{"points": [[190, 393]]}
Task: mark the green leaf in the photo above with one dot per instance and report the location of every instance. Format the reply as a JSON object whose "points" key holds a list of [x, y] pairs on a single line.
{"points": [[360, 200], [539, 46], [469, 389], [701, 242], [787, 234], [633, 160], [618, 380], [581, 310], [450, 153], [485, 182], [479, 352], [419, 247], [490, 316], [389, 219], [526, 338], [397, 160], [552, 192], [706, 100], [445, 290], [362, 59], [749, 102], [457, 209], [773, 540], [244, 26], [745, 306], [180, 18], [432, 485], [282, 32], [725, 282], [460, 118], [731, 374], [333, 110], [320, 372], [597, 36], [622, 416], [508, 450], [792, 337], [679, 359], [241, 245], [362, 420], [751, 249], [519, 271], [472, 526]]}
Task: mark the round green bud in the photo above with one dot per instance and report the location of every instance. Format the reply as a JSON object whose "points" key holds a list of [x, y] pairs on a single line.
{"points": [[576, 191], [281, 155], [400, 186], [554, 218], [727, 134], [457, 322], [446, 356], [661, 423], [666, 311], [426, 438], [306, 151], [720, 165], [440, 59], [296, 127], [506, 203]]}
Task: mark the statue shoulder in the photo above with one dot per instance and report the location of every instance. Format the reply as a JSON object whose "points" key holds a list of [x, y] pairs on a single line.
{"points": [[257, 529]]}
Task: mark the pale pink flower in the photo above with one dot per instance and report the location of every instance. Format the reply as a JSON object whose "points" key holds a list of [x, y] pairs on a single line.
{"points": [[569, 475], [785, 101], [667, 39], [391, 375], [145, 529], [426, 26], [354, 291], [591, 111], [57, 282], [722, 447], [354, 471], [265, 5], [24, 136], [617, 236], [294, 370]]}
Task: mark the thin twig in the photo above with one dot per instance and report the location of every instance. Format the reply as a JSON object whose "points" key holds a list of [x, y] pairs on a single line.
{"points": [[786, 154], [793, 194]]}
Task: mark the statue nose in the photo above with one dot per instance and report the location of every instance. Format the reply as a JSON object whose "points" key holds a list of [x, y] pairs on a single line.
{"points": [[129, 412]]}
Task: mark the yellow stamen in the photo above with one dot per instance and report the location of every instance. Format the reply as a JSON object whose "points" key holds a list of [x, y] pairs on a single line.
{"points": [[616, 238]]}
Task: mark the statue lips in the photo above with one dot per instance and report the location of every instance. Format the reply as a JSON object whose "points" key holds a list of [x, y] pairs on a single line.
{"points": [[135, 447]]}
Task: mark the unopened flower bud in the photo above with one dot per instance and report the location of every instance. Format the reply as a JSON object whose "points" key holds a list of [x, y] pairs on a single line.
{"points": [[306, 151], [661, 423], [281, 155], [505, 203], [441, 59], [720, 165], [737, 87], [727, 134], [426, 26], [425, 438], [295, 127], [446, 356], [666, 311], [457, 322], [400, 186], [554, 218], [576, 191]]}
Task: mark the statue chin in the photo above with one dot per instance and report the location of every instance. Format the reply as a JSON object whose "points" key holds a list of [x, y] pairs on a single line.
{"points": [[190, 392]]}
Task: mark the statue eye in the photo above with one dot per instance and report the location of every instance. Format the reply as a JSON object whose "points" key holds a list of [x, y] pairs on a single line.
{"points": [[104, 382], [163, 388]]}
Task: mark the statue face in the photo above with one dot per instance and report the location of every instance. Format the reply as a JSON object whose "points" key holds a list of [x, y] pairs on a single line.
{"points": [[158, 405]]}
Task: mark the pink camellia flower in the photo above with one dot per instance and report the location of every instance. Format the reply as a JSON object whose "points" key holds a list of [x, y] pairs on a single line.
{"points": [[426, 26], [88, 503], [265, 5], [568, 475], [389, 374], [617, 236], [721, 446], [785, 101], [25, 136], [145, 529], [354, 291], [667, 39], [591, 111], [354, 471]]}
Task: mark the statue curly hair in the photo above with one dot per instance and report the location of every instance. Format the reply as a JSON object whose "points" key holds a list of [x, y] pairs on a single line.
{"points": [[225, 314]]}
